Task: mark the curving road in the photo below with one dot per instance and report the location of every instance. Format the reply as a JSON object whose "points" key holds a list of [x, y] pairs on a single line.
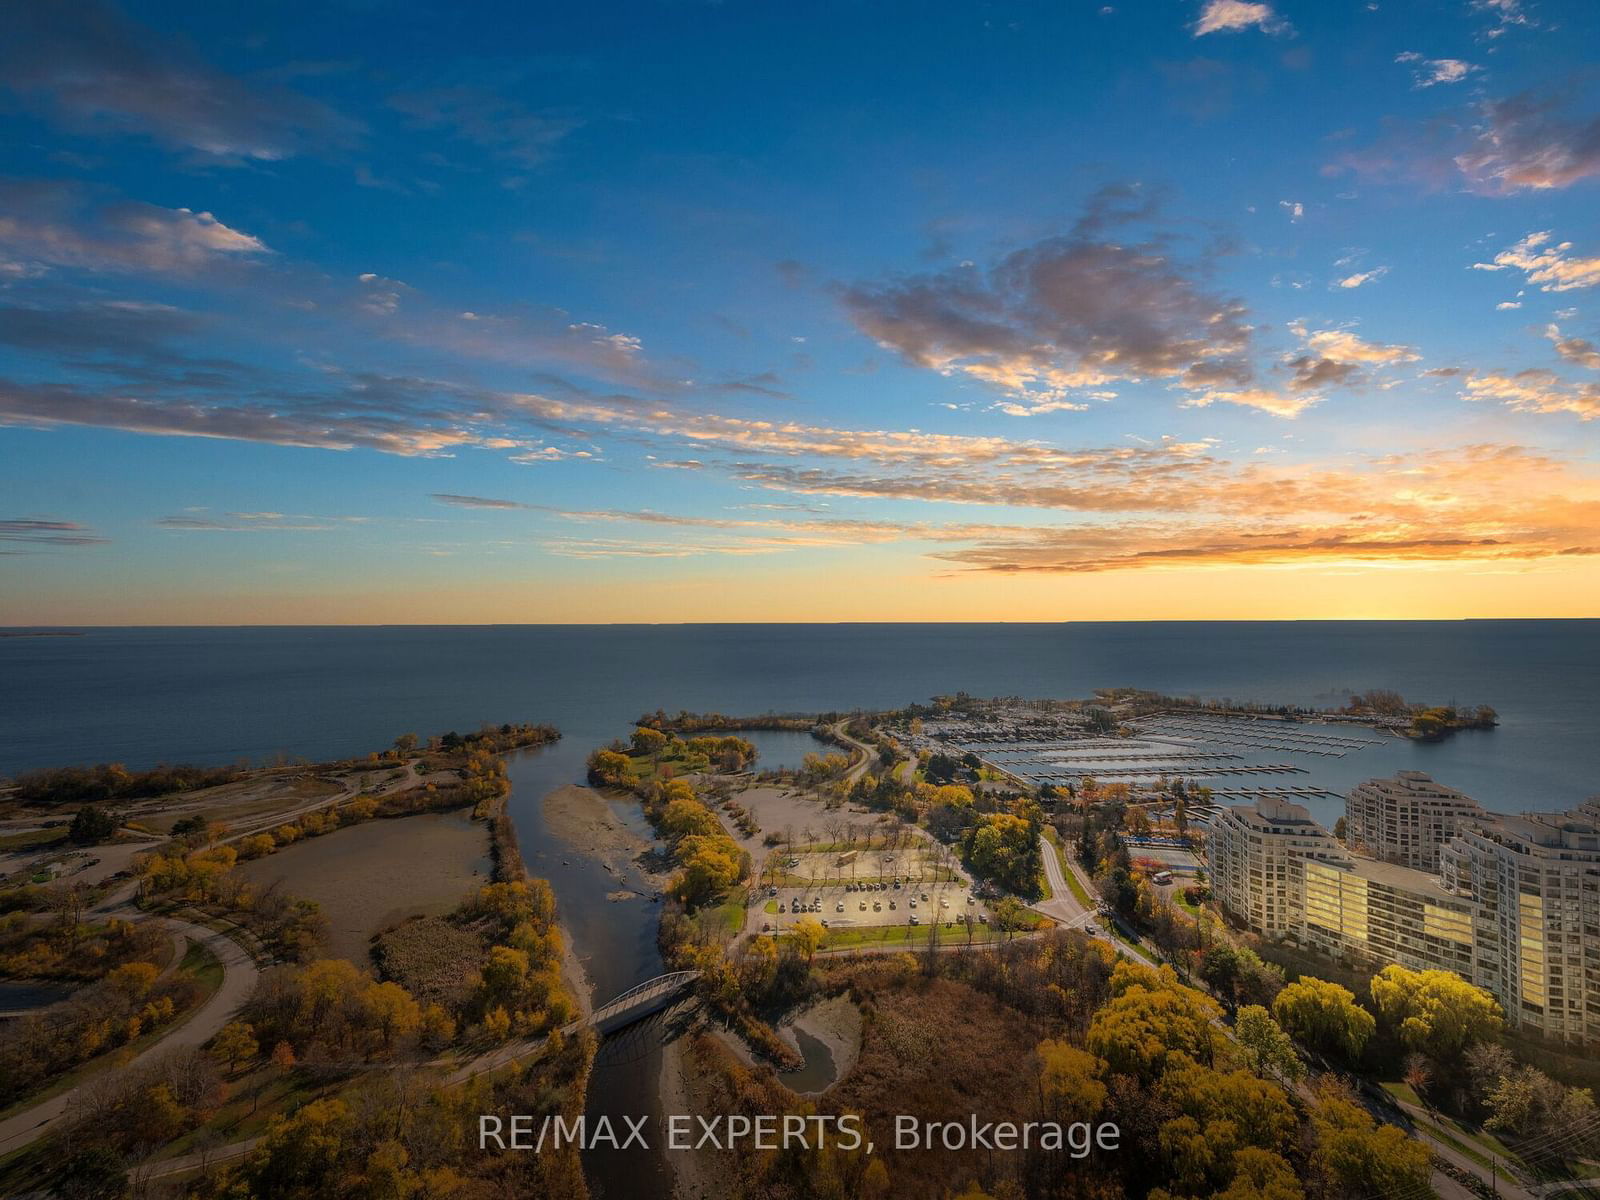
{"points": [[239, 975]]}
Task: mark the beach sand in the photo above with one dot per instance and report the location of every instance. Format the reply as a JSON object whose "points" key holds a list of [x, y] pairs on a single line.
{"points": [[582, 818]]}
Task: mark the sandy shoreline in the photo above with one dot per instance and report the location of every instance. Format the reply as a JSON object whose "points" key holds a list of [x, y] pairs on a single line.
{"points": [[582, 818]]}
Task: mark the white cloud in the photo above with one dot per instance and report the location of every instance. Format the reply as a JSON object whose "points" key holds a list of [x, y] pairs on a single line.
{"points": [[1233, 16], [1344, 346], [1274, 402], [1549, 266], [1430, 71], [1363, 277]]}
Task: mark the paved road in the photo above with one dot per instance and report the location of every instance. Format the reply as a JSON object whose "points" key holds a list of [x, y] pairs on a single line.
{"points": [[238, 981], [1065, 908]]}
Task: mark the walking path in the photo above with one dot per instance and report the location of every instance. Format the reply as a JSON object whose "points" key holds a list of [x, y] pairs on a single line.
{"points": [[239, 975]]}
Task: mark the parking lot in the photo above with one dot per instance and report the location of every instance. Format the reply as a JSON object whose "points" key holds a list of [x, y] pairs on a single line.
{"points": [[852, 905]]}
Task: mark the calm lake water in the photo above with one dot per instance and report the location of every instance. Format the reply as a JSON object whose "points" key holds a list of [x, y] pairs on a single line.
{"points": [[140, 696]]}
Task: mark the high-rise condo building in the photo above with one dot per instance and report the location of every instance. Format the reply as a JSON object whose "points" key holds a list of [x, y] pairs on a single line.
{"points": [[1535, 880], [1406, 819], [1514, 907]]}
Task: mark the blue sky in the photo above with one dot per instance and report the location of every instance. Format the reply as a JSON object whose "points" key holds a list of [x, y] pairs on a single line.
{"points": [[736, 311]]}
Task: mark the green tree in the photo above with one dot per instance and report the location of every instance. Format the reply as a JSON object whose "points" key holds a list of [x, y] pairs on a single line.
{"points": [[91, 825], [1271, 1050]]}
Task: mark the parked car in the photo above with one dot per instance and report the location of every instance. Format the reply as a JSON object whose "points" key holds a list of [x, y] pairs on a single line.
{"points": [[839, 907], [912, 902], [914, 920], [891, 904], [863, 906]]}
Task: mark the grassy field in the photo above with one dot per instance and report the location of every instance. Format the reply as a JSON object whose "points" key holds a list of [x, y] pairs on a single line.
{"points": [[913, 936], [725, 919], [33, 839], [668, 766]]}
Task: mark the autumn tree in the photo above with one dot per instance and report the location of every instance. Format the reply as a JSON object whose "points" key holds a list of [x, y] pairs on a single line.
{"points": [[648, 742], [1435, 1012], [807, 937], [1150, 1017], [1362, 1157], [1324, 1016], [234, 1043], [1069, 1081]]}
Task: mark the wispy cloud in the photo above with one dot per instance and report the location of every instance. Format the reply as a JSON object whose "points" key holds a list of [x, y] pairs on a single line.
{"points": [[1362, 278], [98, 72], [1548, 265], [51, 224], [1576, 350], [1430, 72], [1536, 390], [1529, 142], [491, 121], [33, 531], [1066, 314], [456, 501]]}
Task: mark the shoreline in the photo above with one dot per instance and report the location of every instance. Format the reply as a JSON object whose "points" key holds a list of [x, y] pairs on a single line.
{"points": [[582, 819]]}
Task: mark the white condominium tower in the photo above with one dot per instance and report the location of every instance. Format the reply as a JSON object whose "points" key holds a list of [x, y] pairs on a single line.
{"points": [[1535, 880], [1513, 906], [1406, 819], [1258, 854]]}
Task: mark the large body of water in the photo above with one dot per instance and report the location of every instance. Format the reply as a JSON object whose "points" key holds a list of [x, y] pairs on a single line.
{"points": [[142, 696]]}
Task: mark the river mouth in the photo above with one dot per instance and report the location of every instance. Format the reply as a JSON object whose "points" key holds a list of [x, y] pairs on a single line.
{"points": [[609, 912]]}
